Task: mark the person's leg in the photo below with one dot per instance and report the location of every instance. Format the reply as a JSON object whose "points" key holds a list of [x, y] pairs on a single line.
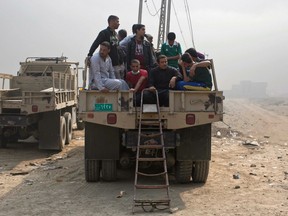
{"points": [[124, 85], [149, 97], [180, 84], [163, 97], [137, 99], [112, 84]]}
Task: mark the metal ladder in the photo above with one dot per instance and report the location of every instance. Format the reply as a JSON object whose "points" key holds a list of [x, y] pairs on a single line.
{"points": [[150, 187]]}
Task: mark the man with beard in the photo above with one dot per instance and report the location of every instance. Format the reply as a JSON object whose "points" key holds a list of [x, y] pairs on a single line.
{"points": [[162, 78], [101, 73]]}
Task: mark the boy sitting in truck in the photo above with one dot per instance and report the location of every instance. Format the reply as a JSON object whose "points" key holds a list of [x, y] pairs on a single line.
{"points": [[137, 80], [196, 75]]}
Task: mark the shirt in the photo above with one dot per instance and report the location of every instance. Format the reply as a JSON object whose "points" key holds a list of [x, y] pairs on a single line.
{"points": [[100, 70]]}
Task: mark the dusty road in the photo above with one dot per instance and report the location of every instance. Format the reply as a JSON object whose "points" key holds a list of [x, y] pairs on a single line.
{"points": [[250, 179]]}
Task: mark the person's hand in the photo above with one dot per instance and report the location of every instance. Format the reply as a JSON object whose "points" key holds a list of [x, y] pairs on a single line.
{"points": [[152, 89], [181, 63], [132, 90], [172, 82], [88, 61]]}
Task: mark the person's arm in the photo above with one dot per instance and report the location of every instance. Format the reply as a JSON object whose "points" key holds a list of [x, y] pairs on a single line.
{"points": [[111, 70], [184, 74], [96, 74], [138, 84], [176, 57], [198, 64], [172, 82], [100, 38]]}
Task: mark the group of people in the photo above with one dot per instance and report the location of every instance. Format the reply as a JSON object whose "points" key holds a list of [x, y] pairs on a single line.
{"points": [[129, 62]]}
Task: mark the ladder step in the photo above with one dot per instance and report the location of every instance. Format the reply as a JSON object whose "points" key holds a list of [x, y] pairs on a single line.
{"points": [[164, 201], [151, 186], [151, 135], [151, 146], [154, 174], [151, 159]]}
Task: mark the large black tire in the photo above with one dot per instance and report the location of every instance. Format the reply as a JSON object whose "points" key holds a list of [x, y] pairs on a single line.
{"points": [[200, 171], [92, 170], [62, 133], [109, 170], [68, 120], [183, 171]]}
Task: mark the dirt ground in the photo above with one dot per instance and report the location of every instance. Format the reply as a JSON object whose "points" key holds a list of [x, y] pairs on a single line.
{"points": [[248, 173]]}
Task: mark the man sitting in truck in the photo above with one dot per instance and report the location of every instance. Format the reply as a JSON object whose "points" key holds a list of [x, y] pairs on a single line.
{"points": [[162, 78], [196, 75], [101, 73], [137, 80]]}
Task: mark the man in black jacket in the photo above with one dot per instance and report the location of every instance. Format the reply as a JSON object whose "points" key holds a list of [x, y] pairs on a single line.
{"points": [[140, 49], [109, 34], [162, 78]]}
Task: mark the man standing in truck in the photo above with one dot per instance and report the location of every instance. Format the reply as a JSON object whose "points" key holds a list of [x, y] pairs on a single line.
{"points": [[109, 34], [162, 78], [101, 74]]}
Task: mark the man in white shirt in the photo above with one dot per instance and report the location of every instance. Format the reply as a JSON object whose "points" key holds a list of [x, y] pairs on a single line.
{"points": [[101, 73]]}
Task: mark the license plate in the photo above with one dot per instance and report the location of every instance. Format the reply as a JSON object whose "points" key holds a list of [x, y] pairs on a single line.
{"points": [[103, 107]]}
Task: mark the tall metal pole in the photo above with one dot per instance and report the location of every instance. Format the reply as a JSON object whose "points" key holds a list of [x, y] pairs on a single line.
{"points": [[140, 11], [161, 30], [168, 19]]}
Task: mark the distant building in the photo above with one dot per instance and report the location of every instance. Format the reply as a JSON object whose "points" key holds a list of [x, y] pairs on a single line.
{"points": [[248, 89]]}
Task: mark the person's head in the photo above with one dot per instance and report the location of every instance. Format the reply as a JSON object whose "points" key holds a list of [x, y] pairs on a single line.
{"points": [[122, 33], [162, 61], [193, 53], [135, 65], [113, 22], [140, 30], [149, 38], [134, 28], [104, 49], [171, 38], [186, 59]]}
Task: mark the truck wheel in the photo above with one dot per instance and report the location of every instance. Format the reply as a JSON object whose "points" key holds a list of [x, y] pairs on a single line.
{"points": [[200, 171], [68, 121], [92, 170], [183, 171], [109, 170], [62, 139]]}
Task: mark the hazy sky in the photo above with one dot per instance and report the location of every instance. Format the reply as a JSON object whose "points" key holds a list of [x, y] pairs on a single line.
{"points": [[247, 39]]}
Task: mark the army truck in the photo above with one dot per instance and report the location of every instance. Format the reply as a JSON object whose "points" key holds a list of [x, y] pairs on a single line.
{"points": [[111, 132], [41, 101]]}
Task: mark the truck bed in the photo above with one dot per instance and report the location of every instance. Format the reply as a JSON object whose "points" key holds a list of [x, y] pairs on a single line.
{"points": [[206, 107], [30, 102]]}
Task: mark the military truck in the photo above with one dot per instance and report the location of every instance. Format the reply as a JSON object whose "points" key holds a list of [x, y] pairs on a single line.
{"points": [[41, 101], [111, 132]]}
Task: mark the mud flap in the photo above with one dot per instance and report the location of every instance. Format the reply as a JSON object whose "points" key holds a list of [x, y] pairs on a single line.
{"points": [[49, 130], [195, 143], [101, 142]]}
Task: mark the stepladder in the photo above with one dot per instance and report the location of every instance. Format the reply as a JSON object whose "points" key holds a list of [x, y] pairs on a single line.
{"points": [[151, 187]]}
